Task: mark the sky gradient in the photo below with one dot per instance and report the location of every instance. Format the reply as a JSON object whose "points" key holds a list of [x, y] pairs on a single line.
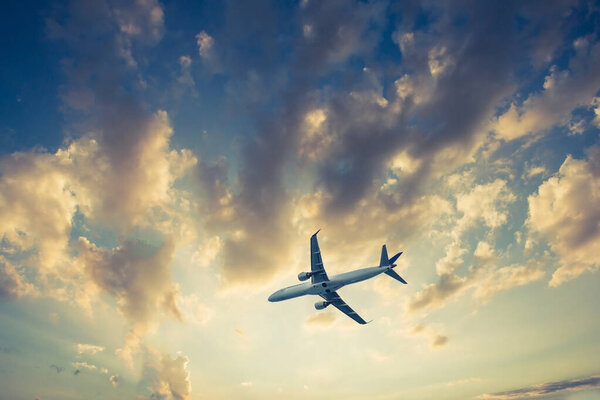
{"points": [[164, 163]]}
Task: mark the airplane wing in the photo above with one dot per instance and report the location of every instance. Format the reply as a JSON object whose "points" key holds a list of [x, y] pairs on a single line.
{"points": [[316, 262], [341, 305]]}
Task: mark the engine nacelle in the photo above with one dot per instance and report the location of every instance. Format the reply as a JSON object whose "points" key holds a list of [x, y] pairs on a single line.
{"points": [[304, 275], [319, 305]]}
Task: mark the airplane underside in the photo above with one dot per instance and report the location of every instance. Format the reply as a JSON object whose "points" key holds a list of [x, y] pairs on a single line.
{"points": [[327, 288]]}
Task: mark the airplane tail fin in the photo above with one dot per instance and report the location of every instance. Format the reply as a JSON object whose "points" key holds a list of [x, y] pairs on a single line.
{"points": [[385, 261], [389, 262]]}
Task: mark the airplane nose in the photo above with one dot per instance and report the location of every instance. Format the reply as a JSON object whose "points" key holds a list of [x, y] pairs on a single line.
{"points": [[275, 296]]}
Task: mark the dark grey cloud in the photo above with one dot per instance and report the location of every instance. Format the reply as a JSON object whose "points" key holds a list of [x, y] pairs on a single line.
{"points": [[137, 274], [482, 47], [259, 196], [365, 133], [333, 31], [545, 390], [481, 62]]}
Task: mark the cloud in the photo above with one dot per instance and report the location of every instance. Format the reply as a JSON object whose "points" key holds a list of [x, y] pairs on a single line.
{"points": [[142, 18], [205, 44], [114, 380], [535, 171], [362, 231], [545, 390], [255, 211], [88, 349], [84, 178], [477, 205], [435, 294], [320, 320], [436, 339], [116, 172], [505, 278], [596, 108], [439, 341], [563, 91], [83, 365], [461, 382], [137, 275], [167, 377], [366, 127], [192, 310], [483, 276], [565, 212], [36, 207], [348, 143], [334, 31], [185, 77], [12, 283], [487, 203], [452, 260]]}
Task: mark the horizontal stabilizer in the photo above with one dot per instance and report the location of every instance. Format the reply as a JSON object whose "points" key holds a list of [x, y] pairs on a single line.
{"points": [[395, 258], [394, 275]]}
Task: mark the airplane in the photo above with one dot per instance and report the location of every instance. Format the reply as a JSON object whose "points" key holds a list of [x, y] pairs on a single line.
{"points": [[327, 287]]}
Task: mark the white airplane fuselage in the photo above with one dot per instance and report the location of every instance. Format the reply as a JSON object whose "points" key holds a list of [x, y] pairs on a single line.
{"points": [[335, 282]]}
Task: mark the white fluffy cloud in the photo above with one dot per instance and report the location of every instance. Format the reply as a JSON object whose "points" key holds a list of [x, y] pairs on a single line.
{"points": [[168, 377], [487, 203], [101, 181], [42, 192], [566, 212], [205, 44]]}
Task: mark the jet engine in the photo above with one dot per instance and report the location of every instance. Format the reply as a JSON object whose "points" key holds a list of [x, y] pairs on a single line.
{"points": [[319, 305], [304, 275]]}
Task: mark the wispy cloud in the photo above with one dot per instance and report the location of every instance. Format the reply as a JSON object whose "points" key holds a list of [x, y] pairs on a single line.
{"points": [[436, 339], [545, 390], [88, 349], [321, 319]]}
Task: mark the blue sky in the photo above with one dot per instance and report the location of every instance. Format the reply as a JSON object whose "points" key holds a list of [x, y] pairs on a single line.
{"points": [[163, 165]]}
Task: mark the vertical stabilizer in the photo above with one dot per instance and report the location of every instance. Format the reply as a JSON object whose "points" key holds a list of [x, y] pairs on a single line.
{"points": [[385, 261]]}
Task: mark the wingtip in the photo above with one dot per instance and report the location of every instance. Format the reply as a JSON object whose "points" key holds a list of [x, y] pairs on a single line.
{"points": [[315, 234]]}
